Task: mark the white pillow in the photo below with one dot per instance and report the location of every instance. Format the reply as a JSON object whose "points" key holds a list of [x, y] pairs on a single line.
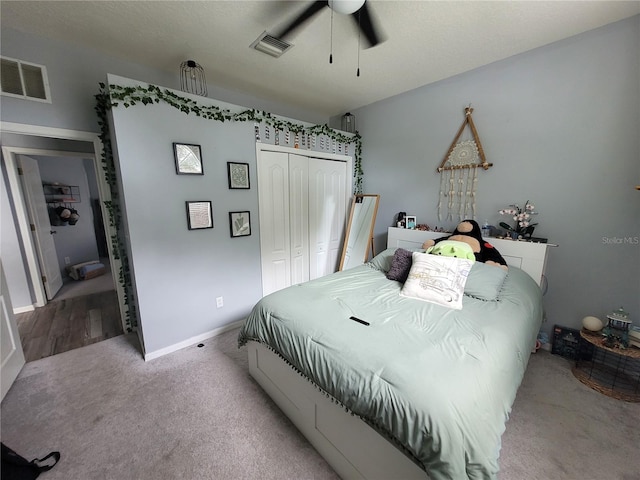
{"points": [[437, 279]]}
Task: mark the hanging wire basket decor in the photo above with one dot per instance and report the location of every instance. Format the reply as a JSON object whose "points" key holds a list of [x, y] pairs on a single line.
{"points": [[192, 78]]}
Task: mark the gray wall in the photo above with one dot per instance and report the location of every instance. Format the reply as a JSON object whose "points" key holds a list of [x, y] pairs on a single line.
{"points": [[74, 74], [11, 252], [77, 242], [561, 125], [180, 272]]}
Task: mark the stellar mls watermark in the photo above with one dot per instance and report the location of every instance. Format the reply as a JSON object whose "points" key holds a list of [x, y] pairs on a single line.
{"points": [[621, 240]]}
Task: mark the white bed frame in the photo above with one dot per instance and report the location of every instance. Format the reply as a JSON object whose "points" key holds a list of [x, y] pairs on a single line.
{"points": [[528, 256], [347, 443]]}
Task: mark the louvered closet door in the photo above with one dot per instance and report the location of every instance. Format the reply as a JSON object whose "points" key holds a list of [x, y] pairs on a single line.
{"points": [[273, 195], [327, 214]]}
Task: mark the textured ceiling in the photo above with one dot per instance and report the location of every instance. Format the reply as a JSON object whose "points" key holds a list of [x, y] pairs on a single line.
{"points": [[426, 41]]}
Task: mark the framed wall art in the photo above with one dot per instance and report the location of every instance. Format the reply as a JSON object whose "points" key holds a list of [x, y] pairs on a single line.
{"points": [[238, 174], [240, 224], [199, 214], [188, 159]]}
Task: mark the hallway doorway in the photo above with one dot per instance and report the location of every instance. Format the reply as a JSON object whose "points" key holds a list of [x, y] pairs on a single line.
{"points": [[81, 312]]}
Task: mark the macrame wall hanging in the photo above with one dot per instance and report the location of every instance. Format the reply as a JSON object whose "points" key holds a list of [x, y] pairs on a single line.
{"points": [[459, 173]]}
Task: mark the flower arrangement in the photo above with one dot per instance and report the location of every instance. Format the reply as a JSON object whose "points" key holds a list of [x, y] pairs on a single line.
{"points": [[522, 218]]}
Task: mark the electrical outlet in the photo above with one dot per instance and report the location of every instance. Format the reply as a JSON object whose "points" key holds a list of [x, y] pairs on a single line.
{"points": [[67, 260], [219, 302]]}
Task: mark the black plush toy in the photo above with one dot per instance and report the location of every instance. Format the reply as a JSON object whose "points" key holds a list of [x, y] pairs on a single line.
{"points": [[469, 231]]}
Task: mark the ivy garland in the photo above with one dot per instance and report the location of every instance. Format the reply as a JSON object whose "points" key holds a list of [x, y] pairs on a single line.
{"points": [[109, 98]]}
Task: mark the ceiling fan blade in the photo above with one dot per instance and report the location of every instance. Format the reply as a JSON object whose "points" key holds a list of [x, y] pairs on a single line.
{"points": [[314, 8], [366, 22]]}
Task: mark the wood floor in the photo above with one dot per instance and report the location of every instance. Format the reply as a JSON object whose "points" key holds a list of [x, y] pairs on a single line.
{"points": [[67, 324]]}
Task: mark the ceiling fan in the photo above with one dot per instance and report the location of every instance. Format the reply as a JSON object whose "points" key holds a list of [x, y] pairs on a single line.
{"points": [[358, 9]]}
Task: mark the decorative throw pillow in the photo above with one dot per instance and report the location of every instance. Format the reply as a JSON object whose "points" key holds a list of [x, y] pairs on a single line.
{"points": [[453, 248], [437, 279], [485, 281], [400, 265]]}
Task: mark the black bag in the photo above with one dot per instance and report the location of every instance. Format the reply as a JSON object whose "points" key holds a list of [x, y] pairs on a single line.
{"points": [[15, 467]]}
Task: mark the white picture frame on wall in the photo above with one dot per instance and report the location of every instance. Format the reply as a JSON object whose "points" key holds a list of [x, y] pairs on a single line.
{"points": [[240, 224], [199, 214], [238, 175], [188, 158]]}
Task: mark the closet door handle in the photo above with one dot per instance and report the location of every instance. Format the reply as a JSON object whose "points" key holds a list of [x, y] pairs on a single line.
{"points": [[53, 232]]}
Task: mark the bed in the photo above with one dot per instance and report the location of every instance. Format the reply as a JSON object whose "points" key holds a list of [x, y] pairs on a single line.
{"points": [[386, 386]]}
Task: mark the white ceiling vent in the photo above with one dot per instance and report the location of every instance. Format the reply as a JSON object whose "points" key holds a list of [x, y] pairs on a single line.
{"points": [[24, 80], [267, 43]]}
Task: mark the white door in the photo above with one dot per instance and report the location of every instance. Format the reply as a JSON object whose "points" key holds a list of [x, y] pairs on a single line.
{"points": [[40, 225], [328, 200], [273, 198], [11, 355], [299, 217], [303, 209]]}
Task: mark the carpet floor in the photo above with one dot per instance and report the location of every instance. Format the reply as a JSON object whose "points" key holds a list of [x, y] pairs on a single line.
{"points": [[197, 414]]}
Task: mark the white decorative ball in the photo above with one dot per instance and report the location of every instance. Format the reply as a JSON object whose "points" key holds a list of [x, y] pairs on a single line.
{"points": [[592, 323]]}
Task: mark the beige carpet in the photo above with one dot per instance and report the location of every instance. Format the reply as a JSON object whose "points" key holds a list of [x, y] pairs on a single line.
{"points": [[196, 414]]}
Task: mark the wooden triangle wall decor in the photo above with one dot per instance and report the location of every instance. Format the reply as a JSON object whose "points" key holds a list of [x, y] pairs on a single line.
{"points": [[447, 162]]}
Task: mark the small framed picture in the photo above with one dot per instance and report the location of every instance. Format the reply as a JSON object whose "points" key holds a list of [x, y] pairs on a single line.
{"points": [[199, 215], [188, 159], [240, 224], [238, 175], [410, 222]]}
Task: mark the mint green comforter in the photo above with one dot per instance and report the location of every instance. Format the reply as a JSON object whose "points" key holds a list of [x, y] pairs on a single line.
{"points": [[437, 381]]}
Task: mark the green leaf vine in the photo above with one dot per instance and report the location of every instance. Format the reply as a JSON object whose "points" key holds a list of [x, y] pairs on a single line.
{"points": [[151, 94], [116, 95]]}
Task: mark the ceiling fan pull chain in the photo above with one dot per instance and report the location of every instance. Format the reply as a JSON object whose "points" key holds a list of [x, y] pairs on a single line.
{"points": [[331, 42], [359, 34]]}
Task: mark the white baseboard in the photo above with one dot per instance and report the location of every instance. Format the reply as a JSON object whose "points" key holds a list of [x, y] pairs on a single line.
{"points": [[28, 308], [190, 341]]}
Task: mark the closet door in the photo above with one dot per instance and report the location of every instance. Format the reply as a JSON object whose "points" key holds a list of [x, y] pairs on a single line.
{"points": [[273, 197], [327, 214], [303, 210], [299, 217]]}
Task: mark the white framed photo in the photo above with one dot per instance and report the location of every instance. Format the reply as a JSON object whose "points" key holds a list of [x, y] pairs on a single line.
{"points": [[238, 174], [188, 159], [199, 215], [240, 224]]}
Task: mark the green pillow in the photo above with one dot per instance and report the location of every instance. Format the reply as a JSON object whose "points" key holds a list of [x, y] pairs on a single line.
{"points": [[485, 281], [383, 260]]}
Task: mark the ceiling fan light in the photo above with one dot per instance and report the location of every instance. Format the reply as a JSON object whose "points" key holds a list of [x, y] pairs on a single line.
{"points": [[345, 7]]}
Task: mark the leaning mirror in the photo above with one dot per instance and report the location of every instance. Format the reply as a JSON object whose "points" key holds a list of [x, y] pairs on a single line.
{"points": [[358, 238]]}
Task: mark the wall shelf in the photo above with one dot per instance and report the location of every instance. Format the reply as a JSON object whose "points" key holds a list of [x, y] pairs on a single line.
{"points": [[57, 193]]}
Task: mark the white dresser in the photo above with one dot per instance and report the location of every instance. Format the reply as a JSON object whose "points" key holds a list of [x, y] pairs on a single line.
{"points": [[528, 256]]}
